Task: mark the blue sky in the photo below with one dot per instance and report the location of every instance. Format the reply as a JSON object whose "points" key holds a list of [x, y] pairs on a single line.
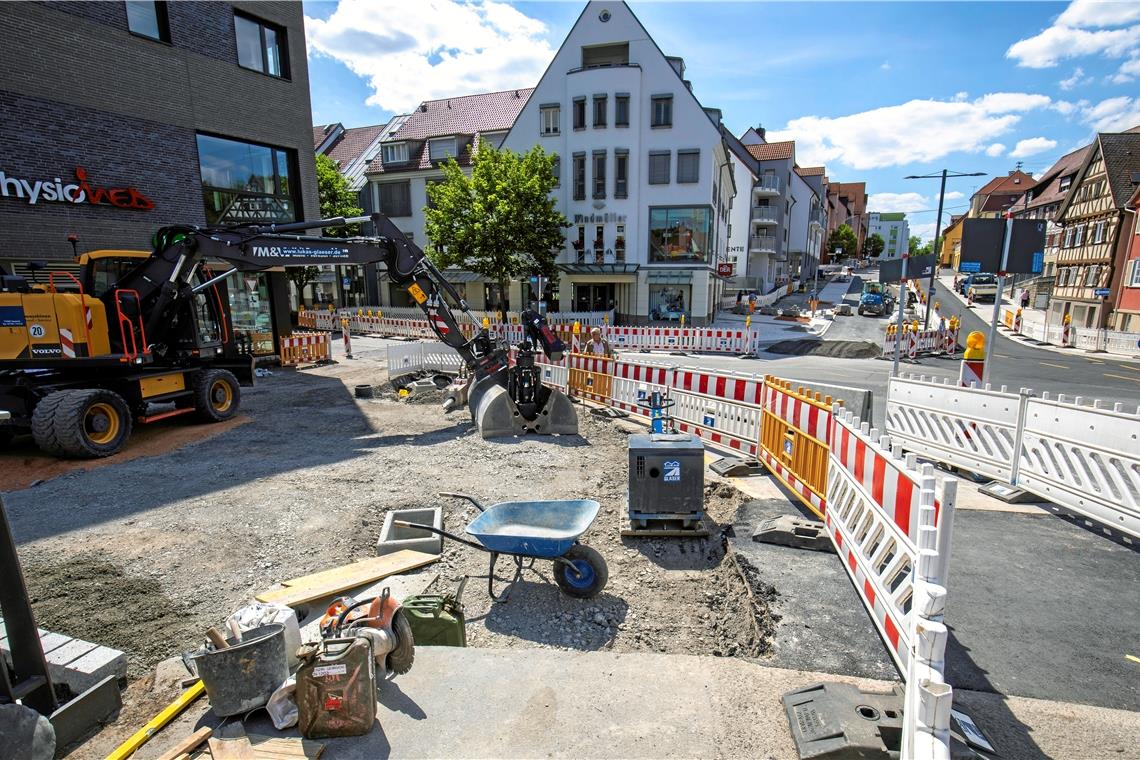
{"points": [[875, 91]]}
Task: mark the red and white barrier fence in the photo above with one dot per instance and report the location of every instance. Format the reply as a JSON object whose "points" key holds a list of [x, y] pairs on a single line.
{"points": [[934, 341], [721, 408]]}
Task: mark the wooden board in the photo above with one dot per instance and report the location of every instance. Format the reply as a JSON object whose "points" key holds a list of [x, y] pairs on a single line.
{"points": [[272, 747], [335, 580], [188, 743]]}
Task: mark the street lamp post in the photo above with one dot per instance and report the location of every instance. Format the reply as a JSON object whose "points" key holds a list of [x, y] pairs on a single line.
{"points": [[938, 228]]}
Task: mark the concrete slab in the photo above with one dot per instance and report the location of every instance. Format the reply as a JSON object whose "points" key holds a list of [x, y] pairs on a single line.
{"points": [[544, 703], [78, 664]]}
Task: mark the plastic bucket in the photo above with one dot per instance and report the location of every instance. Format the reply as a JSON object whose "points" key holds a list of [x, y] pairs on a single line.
{"points": [[244, 676]]}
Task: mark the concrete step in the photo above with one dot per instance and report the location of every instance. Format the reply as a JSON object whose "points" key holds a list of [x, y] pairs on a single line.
{"points": [[77, 663]]}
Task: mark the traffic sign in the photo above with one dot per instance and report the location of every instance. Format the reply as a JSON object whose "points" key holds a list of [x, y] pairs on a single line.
{"points": [[1101, 292], [982, 245], [970, 267]]}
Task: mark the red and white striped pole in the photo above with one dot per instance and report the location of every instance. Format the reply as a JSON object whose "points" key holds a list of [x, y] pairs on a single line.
{"points": [[347, 339]]}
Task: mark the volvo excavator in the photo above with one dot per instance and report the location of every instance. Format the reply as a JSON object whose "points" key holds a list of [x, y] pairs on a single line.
{"points": [[83, 359]]}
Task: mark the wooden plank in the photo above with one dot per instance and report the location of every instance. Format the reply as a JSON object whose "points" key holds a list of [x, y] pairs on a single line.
{"points": [[335, 580], [272, 747], [187, 743], [231, 749]]}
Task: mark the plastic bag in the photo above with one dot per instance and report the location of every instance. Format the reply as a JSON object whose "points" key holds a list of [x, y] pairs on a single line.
{"points": [[282, 706], [263, 613]]}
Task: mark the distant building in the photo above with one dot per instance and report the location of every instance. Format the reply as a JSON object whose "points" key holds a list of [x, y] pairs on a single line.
{"points": [[847, 204], [1128, 298], [951, 253], [645, 176], [409, 158], [1094, 245], [894, 229], [999, 195]]}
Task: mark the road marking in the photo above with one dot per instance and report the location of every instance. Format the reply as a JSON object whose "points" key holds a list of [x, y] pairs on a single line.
{"points": [[1132, 657], [1123, 377], [1095, 361], [1050, 364]]}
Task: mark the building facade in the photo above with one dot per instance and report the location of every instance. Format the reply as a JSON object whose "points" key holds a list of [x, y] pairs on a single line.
{"points": [[847, 204], [1128, 298], [409, 158], [1094, 244], [999, 195], [645, 177], [951, 254], [894, 229], [124, 117]]}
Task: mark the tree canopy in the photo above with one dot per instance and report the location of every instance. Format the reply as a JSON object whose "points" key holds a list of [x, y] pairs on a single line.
{"points": [[874, 244], [336, 198], [500, 221], [916, 247], [842, 241]]}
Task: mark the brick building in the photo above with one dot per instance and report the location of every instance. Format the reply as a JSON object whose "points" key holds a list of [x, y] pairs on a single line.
{"points": [[122, 117]]}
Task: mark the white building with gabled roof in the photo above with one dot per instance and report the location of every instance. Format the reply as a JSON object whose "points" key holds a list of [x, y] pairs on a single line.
{"points": [[645, 177]]}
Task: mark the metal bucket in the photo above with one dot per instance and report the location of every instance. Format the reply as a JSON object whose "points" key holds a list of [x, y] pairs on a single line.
{"points": [[244, 676]]}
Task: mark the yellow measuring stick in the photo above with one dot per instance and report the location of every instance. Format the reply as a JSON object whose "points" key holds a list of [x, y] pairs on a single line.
{"points": [[172, 711]]}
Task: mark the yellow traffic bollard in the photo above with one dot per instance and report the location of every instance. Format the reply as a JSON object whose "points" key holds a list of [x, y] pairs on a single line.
{"points": [[748, 322], [486, 323], [606, 318], [682, 321], [577, 328]]}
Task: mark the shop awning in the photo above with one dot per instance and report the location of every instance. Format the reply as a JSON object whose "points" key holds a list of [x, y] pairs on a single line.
{"points": [[670, 278], [598, 268]]}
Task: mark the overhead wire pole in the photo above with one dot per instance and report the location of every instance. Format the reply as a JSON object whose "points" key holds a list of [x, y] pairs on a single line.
{"points": [[937, 231]]}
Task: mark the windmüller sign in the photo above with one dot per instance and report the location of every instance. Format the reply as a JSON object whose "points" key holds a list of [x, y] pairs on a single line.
{"points": [[34, 191]]}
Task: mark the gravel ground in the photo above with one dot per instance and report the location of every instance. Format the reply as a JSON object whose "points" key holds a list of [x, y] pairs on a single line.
{"points": [[143, 555]]}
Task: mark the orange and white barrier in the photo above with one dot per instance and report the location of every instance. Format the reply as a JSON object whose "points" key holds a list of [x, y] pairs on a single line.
{"points": [[302, 348], [590, 377], [795, 436]]}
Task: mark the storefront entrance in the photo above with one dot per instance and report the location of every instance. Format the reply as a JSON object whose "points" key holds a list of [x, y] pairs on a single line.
{"points": [[669, 302], [598, 297]]}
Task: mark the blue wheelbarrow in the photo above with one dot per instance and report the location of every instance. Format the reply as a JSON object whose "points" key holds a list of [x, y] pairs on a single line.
{"points": [[530, 530]]}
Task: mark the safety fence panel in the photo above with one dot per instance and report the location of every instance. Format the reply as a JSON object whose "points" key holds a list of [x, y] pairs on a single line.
{"points": [[974, 428], [1083, 458], [301, 348], [554, 374], [318, 320], [722, 341], [590, 377], [893, 539], [921, 342], [405, 359], [724, 424], [794, 437], [440, 357], [627, 338], [633, 382]]}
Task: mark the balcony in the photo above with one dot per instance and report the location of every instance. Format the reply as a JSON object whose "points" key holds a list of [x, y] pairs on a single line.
{"points": [[817, 217], [765, 215], [762, 244], [766, 186], [599, 255]]}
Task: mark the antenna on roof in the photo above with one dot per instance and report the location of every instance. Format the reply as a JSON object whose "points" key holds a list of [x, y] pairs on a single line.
{"points": [[449, 104], [516, 93]]}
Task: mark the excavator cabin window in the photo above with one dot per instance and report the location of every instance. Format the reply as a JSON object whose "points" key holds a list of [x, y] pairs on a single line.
{"points": [[104, 272]]}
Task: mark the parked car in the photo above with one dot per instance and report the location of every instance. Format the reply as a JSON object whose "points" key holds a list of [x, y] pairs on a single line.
{"points": [[981, 286]]}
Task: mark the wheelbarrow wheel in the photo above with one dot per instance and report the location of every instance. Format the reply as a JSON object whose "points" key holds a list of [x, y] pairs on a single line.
{"points": [[582, 572]]}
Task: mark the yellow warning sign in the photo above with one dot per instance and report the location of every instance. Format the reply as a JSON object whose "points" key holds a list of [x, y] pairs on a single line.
{"points": [[417, 292]]}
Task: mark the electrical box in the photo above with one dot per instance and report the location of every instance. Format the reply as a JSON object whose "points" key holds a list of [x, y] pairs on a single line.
{"points": [[666, 481]]}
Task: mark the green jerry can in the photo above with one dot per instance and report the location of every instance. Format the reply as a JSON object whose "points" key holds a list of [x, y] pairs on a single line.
{"points": [[437, 619], [336, 688]]}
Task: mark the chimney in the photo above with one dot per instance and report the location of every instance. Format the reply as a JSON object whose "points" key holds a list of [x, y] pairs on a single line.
{"points": [[761, 131], [423, 108]]}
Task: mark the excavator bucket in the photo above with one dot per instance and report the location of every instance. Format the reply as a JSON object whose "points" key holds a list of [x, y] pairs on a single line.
{"points": [[496, 415]]}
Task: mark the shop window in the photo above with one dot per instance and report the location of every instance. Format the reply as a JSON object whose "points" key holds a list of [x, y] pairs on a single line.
{"points": [[261, 46], [495, 298], [148, 18], [621, 173], [662, 111], [621, 111], [600, 110], [580, 113], [659, 167], [679, 234], [550, 118], [246, 182], [688, 166], [599, 174], [395, 198], [669, 302]]}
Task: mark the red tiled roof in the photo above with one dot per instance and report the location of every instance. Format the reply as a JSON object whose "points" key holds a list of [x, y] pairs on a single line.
{"points": [[352, 143], [464, 115], [810, 171], [320, 132], [772, 151], [1007, 185], [1048, 188]]}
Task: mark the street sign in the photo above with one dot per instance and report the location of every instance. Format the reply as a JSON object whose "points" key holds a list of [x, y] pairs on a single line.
{"points": [[919, 266], [724, 269], [890, 270], [982, 243], [1101, 292]]}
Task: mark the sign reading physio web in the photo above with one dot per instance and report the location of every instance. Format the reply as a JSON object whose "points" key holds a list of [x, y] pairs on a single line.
{"points": [[55, 190]]}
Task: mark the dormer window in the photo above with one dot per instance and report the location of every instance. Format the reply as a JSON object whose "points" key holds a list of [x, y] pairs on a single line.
{"points": [[396, 153], [440, 148], [494, 138], [1066, 182]]}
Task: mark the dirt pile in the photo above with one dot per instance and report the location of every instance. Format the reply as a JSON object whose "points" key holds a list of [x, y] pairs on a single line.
{"points": [[840, 349]]}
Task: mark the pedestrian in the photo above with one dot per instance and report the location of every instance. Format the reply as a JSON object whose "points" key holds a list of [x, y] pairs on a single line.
{"points": [[1025, 298], [598, 345]]}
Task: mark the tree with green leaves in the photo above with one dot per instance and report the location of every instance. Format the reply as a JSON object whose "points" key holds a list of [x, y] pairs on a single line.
{"points": [[500, 221], [916, 248], [873, 246], [336, 197], [842, 241]]}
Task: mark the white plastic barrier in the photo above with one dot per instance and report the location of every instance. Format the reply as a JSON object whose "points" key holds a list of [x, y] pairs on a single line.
{"points": [[723, 409], [928, 342], [440, 357], [633, 382], [1086, 459], [892, 533], [422, 356], [973, 428], [414, 312]]}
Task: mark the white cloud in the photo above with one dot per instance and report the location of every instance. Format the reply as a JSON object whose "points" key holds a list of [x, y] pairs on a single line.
{"points": [[915, 131], [1064, 107], [1128, 71], [885, 65], [955, 195], [1077, 78], [1032, 146], [1113, 114], [924, 231], [1085, 28], [442, 47], [995, 150], [886, 203]]}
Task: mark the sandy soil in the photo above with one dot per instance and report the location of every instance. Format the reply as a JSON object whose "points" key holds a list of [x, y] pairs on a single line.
{"points": [[144, 553]]}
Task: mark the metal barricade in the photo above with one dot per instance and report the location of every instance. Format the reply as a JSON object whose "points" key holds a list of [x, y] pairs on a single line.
{"points": [[795, 436]]}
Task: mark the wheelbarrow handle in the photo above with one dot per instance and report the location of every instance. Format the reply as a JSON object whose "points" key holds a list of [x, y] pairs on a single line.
{"points": [[438, 532], [469, 498]]}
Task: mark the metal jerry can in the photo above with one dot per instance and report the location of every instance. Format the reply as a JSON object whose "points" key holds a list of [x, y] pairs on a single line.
{"points": [[336, 689], [436, 619]]}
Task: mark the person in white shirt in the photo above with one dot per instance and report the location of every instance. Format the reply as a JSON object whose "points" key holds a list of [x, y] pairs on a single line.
{"points": [[597, 344]]}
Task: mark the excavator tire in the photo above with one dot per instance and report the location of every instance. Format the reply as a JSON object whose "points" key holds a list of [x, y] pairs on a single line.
{"points": [[82, 424], [217, 395]]}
